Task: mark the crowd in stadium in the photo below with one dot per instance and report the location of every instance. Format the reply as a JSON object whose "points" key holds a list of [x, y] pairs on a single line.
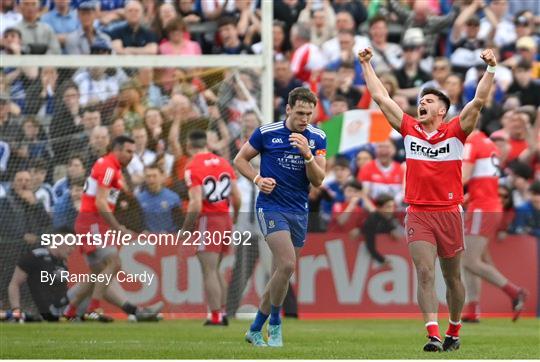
{"points": [[55, 123]]}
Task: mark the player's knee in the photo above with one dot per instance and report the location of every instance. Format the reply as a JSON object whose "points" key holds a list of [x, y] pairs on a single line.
{"points": [[287, 267], [426, 274], [113, 263]]}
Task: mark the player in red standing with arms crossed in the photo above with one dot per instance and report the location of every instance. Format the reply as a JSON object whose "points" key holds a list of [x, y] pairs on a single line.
{"points": [[212, 185], [434, 191], [484, 215]]}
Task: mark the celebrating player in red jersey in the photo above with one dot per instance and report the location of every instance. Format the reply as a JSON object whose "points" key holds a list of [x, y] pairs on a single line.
{"points": [[434, 190], [212, 183], [483, 217]]}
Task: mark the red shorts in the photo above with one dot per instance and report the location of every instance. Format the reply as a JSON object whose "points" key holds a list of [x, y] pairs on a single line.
{"points": [[93, 224], [213, 236], [442, 228], [482, 223]]}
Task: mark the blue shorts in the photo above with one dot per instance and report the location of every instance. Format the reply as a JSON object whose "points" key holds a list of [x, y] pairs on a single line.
{"points": [[296, 224]]}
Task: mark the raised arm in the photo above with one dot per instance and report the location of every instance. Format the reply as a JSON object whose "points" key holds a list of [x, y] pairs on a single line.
{"points": [[470, 113], [378, 92]]}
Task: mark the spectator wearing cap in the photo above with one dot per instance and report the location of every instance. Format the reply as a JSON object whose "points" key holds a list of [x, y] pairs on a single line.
{"points": [[322, 20], [526, 50], [9, 17], [465, 40], [229, 38], [505, 31], [420, 16], [62, 19], [527, 219], [386, 56], [12, 42], [307, 57], [524, 24], [410, 76], [38, 36], [524, 86], [81, 40], [344, 22], [133, 37]]}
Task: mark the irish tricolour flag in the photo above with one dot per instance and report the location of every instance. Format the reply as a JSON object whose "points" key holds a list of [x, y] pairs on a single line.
{"points": [[354, 129]]}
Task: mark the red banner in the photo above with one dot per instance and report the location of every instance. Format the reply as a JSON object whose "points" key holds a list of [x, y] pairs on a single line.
{"points": [[335, 278]]}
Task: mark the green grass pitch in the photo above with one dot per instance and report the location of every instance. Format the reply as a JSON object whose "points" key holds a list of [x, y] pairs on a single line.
{"points": [[305, 339]]}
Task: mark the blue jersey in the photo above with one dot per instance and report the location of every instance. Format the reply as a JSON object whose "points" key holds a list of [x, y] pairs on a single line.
{"points": [[284, 163], [158, 209]]}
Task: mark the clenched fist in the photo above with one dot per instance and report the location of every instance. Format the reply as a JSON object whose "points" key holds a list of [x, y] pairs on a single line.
{"points": [[365, 55], [489, 57]]}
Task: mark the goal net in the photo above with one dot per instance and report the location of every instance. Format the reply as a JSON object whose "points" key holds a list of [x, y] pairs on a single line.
{"points": [[57, 121]]}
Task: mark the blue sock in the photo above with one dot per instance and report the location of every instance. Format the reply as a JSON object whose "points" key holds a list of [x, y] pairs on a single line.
{"points": [[275, 315], [257, 324]]}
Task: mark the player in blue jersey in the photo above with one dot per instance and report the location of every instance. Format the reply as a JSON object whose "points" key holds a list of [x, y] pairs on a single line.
{"points": [[292, 156]]}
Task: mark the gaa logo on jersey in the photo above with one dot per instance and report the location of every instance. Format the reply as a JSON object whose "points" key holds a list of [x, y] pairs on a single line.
{"points": [[277, 140], [164, 205]]}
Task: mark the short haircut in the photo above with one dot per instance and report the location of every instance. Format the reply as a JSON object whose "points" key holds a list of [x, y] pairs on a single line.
{"points": [[31, 119], [120, 141], [523, 64], [383, 199], [521, 169], [174, 25], [75, 156], [77, 181], [89, 109], [301, 94], [376, 19], [302, 30], [535, 188], [346, 65], [153, 166], [355, 184], [443, 97], [38, 164], [226, 20], [342, 161], [197, 138], [340, 98]]}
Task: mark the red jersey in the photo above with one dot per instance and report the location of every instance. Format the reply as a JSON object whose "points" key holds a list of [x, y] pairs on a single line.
{"points": [[356, 219], [433, 163], [106, 172], [516, 147], [382, 180], [484, 183], [214, 174]]}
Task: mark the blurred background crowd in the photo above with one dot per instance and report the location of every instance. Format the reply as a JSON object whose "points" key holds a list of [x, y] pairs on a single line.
{"points": [[55, 123]]}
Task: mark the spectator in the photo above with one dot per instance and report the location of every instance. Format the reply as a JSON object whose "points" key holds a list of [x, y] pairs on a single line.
{"points": [[66, 120], [21, 204], [243, 99], [9, 125], [189, 12], [162, 208], [381, 221], [81, 40], [362, 158], [249, 23], [157, 130], [129, 105], [519, 176], [117, 128], [465, 40], [97, 147], [12, 42], [411, 76], [355, 8], [284, 82], [338, 105], [288, 12], [281, 42], [75, 171], [526, 48], [501, 140], [386, 56], [453, 86], [67, 205], [36, 35], [9, 17], [527, 219], [42, 93], [441, 70], [490, 115], [524, 86], [166, 14], [346, 45], [327, 90], [90, 119], [505, 32], [43, 191], [213, 10], [347, 89], [474, 75], [517, 127], [321, 18], [306, 58], [383, 175], [349, 216], [31, 144], [133, 37], [142, 157], [420, 17], [230, 42], [62, 19], [151, 93], [344, 22], [4, 159], [110, 12], [336, 187], [97, 85]]}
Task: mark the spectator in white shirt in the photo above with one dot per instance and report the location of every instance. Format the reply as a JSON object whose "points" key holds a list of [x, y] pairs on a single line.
{"points": [[142, 156]]}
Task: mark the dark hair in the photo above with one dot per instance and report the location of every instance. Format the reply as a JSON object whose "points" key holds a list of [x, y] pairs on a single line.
{"points": [[175, 24], [535, 188], [77, 181], [120, 141], [89, 109], [226, 20], [197, 138], [340, 98], [347, 31], [347, 65], [38, 164], [382, 199], [301, 94], [521, 169], [13, 30], [523, 64], [342, 161], [153, 166], [443, 97], [376, 19], [355, 184], [31, 119], [75, 156]]}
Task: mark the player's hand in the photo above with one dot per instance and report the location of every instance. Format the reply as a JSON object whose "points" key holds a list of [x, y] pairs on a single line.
{"points": [[489, 57], [365, 55], [266, 184], [299, 141]]}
